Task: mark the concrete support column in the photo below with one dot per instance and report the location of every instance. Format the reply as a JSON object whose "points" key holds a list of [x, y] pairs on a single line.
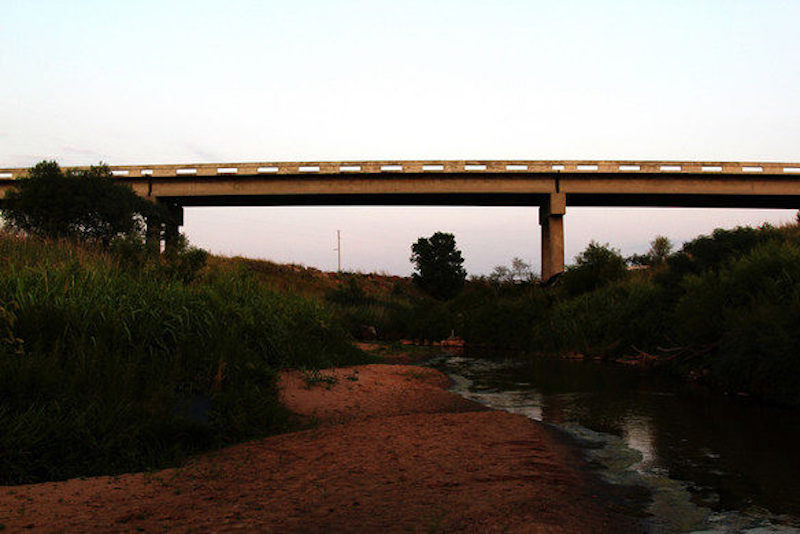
{"points": [[551, 218]]}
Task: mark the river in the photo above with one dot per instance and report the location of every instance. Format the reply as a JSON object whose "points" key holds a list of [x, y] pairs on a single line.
{"points": [[712, 463]]}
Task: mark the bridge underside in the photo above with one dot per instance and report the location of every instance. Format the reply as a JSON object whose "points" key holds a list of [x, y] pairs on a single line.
{"points": [[382, 199], [552, 207], [497, 199], [685, 201]]}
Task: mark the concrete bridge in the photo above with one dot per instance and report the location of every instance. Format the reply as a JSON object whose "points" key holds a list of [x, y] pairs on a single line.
{"points": [[550, 185]]}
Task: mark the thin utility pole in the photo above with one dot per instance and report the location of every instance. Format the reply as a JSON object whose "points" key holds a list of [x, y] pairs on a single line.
{"points": [[338, 251]]}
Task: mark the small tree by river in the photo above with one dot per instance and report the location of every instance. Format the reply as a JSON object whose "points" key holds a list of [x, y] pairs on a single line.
{"points": [[596, 266], [439, 265]]}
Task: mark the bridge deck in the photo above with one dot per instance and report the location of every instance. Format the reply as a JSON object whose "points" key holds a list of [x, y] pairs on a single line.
{"points": [[350, 168]]}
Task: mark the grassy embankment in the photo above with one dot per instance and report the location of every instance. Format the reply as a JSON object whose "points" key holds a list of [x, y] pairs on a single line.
{"points": [[387, 303], [106, 368]]}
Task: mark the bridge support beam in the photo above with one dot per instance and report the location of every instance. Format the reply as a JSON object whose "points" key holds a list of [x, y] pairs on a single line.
{"points": [[551, 218]]}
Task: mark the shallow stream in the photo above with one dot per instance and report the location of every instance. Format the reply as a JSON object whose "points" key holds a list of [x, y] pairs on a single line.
{"points": [[713, 463]]}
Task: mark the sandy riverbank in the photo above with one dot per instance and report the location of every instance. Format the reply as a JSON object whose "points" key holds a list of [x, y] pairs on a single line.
{"points": [[392, 451]]}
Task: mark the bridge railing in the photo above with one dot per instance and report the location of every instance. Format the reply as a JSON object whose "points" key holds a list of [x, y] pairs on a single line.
{"points": [[416, 167]]}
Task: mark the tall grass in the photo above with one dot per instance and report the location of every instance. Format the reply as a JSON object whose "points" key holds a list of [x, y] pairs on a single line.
{"points": [[105, 369]]}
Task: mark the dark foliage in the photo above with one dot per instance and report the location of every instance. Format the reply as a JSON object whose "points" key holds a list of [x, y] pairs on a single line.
{"points": [[724, 310], [660, 250], [105, 369], [349, 292], [438, 265], [748, 309], [85, 205], [595, 267], [709, 252]]}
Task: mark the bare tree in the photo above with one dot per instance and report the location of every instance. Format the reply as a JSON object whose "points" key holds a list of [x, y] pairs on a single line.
{"points": [[660, 249], [519, 271]]}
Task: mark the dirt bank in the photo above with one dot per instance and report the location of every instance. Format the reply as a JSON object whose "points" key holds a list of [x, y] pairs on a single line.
{"points": [[392, 451]]}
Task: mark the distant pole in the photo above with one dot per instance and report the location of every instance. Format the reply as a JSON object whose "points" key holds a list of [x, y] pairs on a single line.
{"points": [[338, 251]]}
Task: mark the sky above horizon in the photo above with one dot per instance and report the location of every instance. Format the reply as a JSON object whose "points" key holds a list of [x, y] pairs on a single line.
{"points": [[201, 81]]}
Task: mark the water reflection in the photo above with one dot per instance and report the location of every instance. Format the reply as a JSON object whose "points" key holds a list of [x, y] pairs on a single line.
{"points": [[638, 435], [731, 454]]}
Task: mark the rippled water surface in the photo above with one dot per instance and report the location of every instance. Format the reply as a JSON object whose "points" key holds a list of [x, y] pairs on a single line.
{"points": [[713, 463]]}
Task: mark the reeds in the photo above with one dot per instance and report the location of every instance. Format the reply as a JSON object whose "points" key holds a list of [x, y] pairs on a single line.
{"points": [[105, 369]]}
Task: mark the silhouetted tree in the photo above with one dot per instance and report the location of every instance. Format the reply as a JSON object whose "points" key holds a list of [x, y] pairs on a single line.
{"points": [[438, 265], [660, 249], [87, 205], [501, 275], [519, 271]]}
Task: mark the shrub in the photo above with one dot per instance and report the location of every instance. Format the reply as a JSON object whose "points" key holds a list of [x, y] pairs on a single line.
{"points": [[596, 266], [750, 308], [348, 292], [710, 252], [611, 321]]}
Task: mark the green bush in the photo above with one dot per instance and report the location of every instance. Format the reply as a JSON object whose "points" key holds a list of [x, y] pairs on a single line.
{"points": [[500, 315], [750, 308], [595, 267], [424, 319], [183, 262], [349, 293], [709, 252], [607, 322], [105, 370]]}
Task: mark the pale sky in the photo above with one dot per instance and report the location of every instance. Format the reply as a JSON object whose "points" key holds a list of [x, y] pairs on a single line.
{"points": [[201, 81]]}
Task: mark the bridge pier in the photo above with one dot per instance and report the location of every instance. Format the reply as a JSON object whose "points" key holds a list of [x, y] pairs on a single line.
{"points": [[551, 218]]}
